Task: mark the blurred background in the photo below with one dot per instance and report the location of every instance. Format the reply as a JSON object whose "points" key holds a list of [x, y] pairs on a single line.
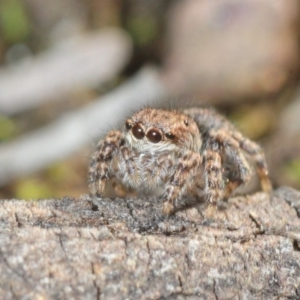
{"points": [[72, 69]]}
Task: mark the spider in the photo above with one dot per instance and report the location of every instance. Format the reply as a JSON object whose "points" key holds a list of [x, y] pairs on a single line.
{"points": [[190, 152]]}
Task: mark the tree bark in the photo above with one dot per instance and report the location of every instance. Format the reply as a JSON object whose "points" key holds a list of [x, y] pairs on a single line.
{"points": [[96, 248]]}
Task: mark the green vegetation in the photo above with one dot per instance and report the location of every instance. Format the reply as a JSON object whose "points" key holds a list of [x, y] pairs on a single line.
{"points": [[7, 128], [292, 169], [14, 22], [143, 30], [32, 189]]}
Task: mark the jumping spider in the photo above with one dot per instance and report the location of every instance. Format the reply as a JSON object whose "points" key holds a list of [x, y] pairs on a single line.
{"points": [[194, 152]]}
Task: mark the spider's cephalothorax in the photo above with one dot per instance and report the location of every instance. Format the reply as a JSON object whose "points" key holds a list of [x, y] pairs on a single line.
{"points": [[194, 152]]}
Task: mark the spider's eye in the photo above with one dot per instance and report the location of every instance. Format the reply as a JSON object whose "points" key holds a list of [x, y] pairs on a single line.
{"points": [[138, 131], [154, 136], [170, 136], [128, 125], [186, 123]]}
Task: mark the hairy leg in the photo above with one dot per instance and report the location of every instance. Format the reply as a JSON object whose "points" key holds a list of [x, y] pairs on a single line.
{"points": [[101, 161], [214, 185], [186, 168], [230, 151], [255, 151]]}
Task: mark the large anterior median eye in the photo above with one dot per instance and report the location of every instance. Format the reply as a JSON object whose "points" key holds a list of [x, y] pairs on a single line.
{"points": [[138, 131], [154, 136]]}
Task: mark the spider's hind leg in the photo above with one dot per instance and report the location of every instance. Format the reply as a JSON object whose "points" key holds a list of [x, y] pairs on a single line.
{"points": [[239, 172], [255, 151]]}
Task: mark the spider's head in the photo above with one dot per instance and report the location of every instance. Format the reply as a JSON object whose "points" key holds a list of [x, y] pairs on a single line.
{"points": [[153, 130]]}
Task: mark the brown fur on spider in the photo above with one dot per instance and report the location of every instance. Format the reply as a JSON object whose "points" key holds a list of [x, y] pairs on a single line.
{"points": [[194, 152]]}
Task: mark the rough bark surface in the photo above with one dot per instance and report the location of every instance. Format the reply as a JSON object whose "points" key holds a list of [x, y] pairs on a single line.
{"points": [[126, 249]]}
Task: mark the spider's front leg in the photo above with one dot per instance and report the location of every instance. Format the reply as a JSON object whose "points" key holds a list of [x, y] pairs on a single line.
{"points": [[214, 185], [101, 161], [187, 167]]}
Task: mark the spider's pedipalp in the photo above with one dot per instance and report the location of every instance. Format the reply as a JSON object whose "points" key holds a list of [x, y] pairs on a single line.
{"points": [[126, 167]]}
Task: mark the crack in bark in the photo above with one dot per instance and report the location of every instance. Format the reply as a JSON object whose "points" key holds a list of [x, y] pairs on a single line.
{"points": [[180, 282], [149, 253], [130, 209], [98, 289], [188, 261], [59, 236], [126, 246], [258, 225], [112, 231], [215, 289], [12, 290], [296, 246], [19, 224]]}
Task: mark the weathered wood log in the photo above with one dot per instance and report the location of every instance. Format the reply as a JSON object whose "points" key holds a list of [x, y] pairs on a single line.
{"points": [[126, 249]]}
